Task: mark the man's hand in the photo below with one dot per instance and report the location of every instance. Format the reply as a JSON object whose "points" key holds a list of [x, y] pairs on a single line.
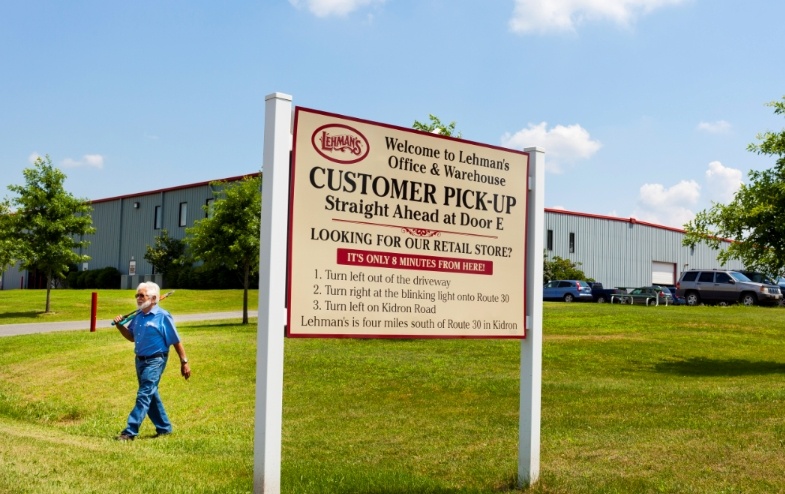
{"points": [[185, 370]]}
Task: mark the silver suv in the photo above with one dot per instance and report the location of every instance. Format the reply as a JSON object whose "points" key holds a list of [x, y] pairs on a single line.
{"points": [[724, 287]]}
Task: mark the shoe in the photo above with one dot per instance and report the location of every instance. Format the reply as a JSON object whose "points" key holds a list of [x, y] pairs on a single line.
{"points": [[124, 437], [162, 434]]}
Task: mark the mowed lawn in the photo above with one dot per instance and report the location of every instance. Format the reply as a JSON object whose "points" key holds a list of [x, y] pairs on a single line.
{"points": [[28, 306], [635, 400]]}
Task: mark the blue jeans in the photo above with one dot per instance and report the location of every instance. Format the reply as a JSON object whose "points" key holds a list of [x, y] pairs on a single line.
{"points": [[148, 401]]}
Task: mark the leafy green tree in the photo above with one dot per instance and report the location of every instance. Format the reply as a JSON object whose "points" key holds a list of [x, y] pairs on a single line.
{"points": [[47, 223], [753, 219], [167, 256], [9, 247], [229, 237], [437, 127], [562, 269]]}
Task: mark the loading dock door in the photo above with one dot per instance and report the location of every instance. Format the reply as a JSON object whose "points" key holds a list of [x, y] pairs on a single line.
{"points": [[663, 273]]}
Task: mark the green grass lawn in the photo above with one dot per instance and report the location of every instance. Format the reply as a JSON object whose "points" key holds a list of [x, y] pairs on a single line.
{"points": [[28, 306], [635, 400]]}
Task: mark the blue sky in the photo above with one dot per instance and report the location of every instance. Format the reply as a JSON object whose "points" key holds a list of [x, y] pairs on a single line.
{"points": [[644, 107]]}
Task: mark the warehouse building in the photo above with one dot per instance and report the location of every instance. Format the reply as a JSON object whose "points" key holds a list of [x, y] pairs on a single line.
{"points": [[624, 252], [619, 252]]}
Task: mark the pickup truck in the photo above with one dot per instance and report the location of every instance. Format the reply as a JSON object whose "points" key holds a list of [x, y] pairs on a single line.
{"points": [[602, 295]]}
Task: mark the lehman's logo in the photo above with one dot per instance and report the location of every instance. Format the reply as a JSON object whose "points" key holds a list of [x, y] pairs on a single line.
{"points": [[340, 143]]}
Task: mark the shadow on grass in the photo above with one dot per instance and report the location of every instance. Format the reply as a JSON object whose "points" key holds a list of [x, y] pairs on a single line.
{"points": [[31, 314], [700, 366], [351, 481]]}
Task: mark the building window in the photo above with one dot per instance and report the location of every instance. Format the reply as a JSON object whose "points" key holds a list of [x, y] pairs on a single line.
{"points": [[572, 243], [209, 209], [158, 218], [550, 240], [183, 213]]}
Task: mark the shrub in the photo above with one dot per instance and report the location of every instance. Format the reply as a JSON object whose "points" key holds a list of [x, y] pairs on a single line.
{"points": [[107, 277]]}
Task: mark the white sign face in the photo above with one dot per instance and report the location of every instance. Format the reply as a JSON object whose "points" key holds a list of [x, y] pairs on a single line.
{"points": [[399, 233], [132, 268]]}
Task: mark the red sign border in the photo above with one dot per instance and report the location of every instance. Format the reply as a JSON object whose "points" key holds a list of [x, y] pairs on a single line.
{"points": [[293, 160]]}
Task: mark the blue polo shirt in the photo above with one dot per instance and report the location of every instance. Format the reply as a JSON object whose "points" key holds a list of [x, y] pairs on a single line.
{"points": [[153, 332]]}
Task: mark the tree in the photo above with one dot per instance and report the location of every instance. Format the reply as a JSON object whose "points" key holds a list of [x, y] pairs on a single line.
{"points": [[562, 269], [168, 254], [229, 237], [753, 218], [9, 247], [47, 222], [437, 127]]}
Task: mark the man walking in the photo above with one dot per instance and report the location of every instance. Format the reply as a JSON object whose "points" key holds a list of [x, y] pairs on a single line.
{"points": [[152, 331]]}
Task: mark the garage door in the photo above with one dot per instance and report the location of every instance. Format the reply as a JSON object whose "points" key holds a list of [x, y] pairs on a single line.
{"points": [[663, 273]]}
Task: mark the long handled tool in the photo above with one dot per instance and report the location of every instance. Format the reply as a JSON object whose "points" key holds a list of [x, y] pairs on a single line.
{"points": [[130, 315]]}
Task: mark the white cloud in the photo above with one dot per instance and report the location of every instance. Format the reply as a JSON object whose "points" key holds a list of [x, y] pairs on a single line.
{"points": [[722, 182], [671, 206], [33, 156], [325, 8], [674, 206], [718, 127], [563, 144], [91, 160], [541, 16]]}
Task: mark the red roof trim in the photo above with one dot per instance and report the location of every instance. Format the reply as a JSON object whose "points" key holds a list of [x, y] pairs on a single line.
{"points": [[614, 218], [178, 187]]}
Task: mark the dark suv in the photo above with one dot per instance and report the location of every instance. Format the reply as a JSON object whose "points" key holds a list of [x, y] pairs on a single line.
{"points": [[724, 287]]}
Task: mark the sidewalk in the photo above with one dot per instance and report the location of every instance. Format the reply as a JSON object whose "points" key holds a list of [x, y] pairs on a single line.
{"points": [[48, 327]]}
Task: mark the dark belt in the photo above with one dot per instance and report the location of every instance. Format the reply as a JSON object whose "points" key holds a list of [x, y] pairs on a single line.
{"points": [[150, 357]]}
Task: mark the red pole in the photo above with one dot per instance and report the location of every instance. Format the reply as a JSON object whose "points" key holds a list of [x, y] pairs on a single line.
{"points": [[93, 311]]}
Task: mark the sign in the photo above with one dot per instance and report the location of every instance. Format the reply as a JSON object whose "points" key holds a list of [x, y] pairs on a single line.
{"points": [[395, 232], [132, 268]]}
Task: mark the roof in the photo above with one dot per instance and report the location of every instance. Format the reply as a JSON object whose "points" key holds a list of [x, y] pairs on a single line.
{"points": [[178, 187]]}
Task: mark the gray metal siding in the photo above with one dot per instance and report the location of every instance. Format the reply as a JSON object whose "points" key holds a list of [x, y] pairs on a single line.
{"points": [[107, 222], [12, 278], [620, 252], [139, 223], [195, 198]]}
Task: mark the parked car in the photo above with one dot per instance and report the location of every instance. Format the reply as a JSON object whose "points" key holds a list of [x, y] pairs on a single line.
{"points": [[758, 277], [762, 278], [724, 287], [600, 294], [781, 284], [567, 290], [677, 300], [649, 295]]}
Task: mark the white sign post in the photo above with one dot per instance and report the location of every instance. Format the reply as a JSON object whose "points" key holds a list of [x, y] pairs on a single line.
{"points": [[531, 347], [268, 417]]}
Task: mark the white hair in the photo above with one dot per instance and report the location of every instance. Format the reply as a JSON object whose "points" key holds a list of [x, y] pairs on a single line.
{"points": [[152, 289]]}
